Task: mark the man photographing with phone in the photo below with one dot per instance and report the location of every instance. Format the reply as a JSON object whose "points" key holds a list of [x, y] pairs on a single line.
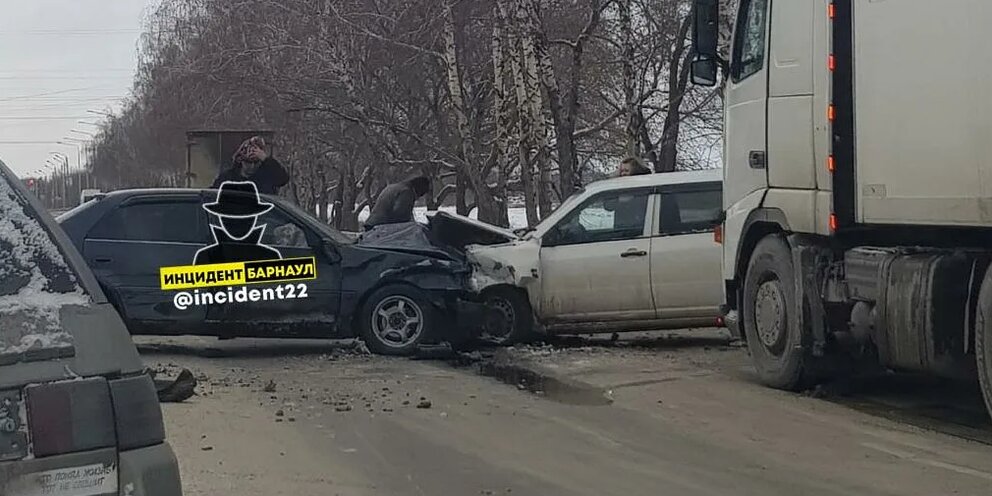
{"points": [[252, 162]]}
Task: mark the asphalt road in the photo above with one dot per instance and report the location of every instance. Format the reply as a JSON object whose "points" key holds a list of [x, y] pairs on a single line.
{"points": [[666, 416]]}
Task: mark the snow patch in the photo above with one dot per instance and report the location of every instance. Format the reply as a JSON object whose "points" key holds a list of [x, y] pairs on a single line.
{"points": [[35, 281]]}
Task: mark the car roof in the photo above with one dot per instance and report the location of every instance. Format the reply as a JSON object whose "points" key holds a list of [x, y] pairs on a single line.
{"points": [[658, 179]]}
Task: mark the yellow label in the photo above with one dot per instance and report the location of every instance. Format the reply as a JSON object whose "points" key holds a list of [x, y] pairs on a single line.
{"points": [[237, 273]]}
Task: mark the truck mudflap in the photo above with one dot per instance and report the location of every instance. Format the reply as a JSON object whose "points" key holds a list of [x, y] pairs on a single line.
{"points": [[811, 258]]}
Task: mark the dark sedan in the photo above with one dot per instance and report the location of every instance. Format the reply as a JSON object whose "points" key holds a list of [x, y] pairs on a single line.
{"points": [[396, 299]]}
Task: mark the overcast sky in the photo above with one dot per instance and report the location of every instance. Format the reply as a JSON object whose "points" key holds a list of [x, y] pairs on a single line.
{"points": [[60, 59]]}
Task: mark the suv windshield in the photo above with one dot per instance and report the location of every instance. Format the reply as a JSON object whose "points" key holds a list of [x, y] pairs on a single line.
{"points": [[35, 280]]}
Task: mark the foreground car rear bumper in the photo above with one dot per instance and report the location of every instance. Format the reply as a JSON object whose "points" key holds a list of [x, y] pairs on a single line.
{"points": [[151, 471]]}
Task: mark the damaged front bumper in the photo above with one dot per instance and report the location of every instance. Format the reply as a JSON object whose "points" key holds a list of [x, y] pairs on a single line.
{"points": [[465, 316]]}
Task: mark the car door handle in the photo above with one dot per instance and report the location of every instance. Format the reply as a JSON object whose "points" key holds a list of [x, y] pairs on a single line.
{"points": [[102, 260], [633, 252], [756, 159]]}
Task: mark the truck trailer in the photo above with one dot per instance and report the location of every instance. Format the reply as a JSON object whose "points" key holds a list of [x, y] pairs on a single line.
{"points": [[857, 220]]}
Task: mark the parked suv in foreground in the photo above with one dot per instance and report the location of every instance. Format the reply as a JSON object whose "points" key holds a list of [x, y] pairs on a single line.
{"points": [[78, 413]]}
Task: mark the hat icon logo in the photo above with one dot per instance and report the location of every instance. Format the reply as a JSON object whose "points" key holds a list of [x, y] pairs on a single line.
{"points": [[237, 238], [238, 200]]}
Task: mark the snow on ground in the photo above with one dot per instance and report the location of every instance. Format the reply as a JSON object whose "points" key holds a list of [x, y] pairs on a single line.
{"points": [[35, 281]]}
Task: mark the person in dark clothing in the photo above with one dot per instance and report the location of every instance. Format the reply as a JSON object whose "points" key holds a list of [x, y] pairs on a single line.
{"points": [[395, 204], [252, 162], [632, 166]]}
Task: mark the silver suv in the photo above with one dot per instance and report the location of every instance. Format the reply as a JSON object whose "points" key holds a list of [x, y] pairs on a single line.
{"points": [[79, 415]]}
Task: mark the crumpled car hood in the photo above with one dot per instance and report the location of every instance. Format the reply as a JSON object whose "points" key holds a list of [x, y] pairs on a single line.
{"points": [[460, 232], [496, 255]]}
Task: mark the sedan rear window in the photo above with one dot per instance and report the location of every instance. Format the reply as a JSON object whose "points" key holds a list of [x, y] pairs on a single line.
{"points": [[35, 280]]}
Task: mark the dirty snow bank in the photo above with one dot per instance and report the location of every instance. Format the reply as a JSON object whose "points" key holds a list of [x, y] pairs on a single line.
{"points": [[35, 281]]}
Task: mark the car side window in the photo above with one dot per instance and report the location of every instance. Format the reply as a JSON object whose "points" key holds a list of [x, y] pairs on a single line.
{"points": [[687, 212], [280, 230], [152, 221], [611, 216], [749, 40]]}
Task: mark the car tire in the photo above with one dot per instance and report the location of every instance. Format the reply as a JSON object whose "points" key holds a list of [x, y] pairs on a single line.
{"points": [[396, 319], [774, 339], [515, 319], [983, 340]]}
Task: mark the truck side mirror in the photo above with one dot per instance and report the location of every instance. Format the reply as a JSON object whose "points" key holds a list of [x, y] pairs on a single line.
{"points": [[705, 36], [704, 72]]}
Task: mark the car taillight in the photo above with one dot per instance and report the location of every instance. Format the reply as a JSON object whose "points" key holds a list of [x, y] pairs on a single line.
{"points": [[139, 416], [70, 416], [718, 234]]}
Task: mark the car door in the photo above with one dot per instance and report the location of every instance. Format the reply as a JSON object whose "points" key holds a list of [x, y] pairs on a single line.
{"points": [[686, 278], [129, 244], [594, 262], [308, 307]]}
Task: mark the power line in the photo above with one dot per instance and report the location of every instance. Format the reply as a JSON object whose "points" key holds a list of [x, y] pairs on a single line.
{"points": [[62, 78], [40, 118], [63, 32], [49, 93], [29, 142]]}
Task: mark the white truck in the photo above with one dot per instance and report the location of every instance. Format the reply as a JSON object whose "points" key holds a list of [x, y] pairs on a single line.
{"points": [[857, 184]]}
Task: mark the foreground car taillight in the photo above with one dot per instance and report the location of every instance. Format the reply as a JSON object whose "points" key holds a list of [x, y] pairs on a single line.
{"points": [[70, 416], [139, 416]]}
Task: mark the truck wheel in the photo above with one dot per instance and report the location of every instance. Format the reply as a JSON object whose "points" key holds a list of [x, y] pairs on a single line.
{"points": [[983, 340], [514, 320], [773, 337], [396, 319]]}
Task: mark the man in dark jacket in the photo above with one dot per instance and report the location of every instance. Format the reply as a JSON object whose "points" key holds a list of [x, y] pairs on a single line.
{"points": [[395, 204], [253, 163]]}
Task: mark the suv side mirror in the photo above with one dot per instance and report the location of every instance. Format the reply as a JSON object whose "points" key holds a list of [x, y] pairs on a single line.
{"points": [[705, 38]]}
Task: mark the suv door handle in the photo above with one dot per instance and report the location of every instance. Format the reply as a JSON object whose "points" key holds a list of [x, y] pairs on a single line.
{"points": [[756, 159], [633, 252], [102, 260]]}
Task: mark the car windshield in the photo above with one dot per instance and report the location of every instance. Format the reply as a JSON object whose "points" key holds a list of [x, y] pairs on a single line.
{"points": [[332, 233], [562, 207], [35, 280]]}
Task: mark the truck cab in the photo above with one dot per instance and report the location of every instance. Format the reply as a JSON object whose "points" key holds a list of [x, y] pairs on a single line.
{"points": [[856, 183]]}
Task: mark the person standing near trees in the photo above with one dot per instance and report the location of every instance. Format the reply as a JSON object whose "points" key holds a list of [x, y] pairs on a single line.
{"points": [[632, 166], [395, 204], [252, 162]]}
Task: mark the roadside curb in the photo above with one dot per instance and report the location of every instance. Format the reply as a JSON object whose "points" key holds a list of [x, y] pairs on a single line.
{"points": [[525, 374]]}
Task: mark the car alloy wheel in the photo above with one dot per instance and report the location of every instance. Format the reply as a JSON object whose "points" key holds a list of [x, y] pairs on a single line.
{"points": [[397, 321]]}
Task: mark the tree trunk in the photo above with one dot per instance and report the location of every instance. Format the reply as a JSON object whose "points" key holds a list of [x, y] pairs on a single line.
{"points": [[483, 197], [678, 82], [532, 83], [564, 103], [630, 100], [522, 127], [501, 155]]}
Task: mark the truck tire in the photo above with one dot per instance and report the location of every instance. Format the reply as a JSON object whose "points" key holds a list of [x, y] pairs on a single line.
{"points": [[983, 340], [769, 320]]}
